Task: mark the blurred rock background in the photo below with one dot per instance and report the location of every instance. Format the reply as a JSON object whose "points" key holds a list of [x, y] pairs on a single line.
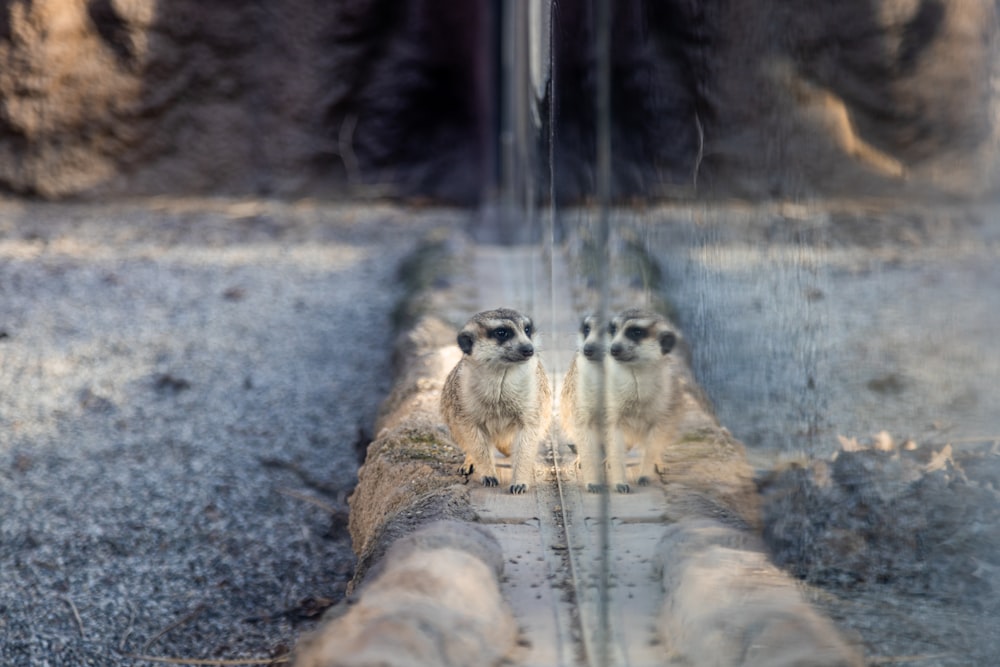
{"points": [[753, 98]]}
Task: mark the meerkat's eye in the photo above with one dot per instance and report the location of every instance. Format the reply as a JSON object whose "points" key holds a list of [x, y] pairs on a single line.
{"points": [[635, 333], [528, 330], [612, 329], [585, 329], [502, 333]]}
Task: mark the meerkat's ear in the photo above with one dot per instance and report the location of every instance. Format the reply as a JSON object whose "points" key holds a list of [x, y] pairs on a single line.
{"points": [[667, 341], [465, 341]]}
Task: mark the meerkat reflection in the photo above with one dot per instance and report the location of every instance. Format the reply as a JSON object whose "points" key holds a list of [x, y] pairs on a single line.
{"points": [[641, 392], [498, 396], [582, 403]]}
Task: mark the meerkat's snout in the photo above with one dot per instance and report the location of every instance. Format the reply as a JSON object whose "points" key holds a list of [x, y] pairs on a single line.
{"points": [[592, 336]]}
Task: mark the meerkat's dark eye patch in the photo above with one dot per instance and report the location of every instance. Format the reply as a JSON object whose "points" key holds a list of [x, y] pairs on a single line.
{"points": [[585, 329], [612, 328], [667, 341], [502, 333], [528, 329], [465, 341], [635, 333]]}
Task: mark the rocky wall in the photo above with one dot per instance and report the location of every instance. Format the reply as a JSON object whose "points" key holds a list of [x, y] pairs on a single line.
{"points": [[753, 98]]}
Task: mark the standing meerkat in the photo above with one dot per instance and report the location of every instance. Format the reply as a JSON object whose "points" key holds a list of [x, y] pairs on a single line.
{"points": [[582, 401], [642, 392], [498, 396]]}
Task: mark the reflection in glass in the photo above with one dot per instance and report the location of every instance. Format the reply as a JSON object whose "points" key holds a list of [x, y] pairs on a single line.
{"points": [[808, 192]]}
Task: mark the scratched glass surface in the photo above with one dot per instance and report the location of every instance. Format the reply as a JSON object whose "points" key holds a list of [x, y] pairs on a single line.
{"points": [[835, 300]]}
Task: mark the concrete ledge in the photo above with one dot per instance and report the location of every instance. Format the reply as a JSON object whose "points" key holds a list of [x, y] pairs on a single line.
{"points": [[435, 601], [706, 475], [725, 604], [409, 477]]}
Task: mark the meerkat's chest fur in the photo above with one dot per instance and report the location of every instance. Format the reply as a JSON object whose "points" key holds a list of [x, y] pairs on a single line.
{"points": [[590, 395], [504, 395], [638, 397]]}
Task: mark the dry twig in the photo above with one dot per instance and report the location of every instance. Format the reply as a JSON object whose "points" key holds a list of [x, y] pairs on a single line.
{"points": [[176, 624], [309, 499], [76, 615], [128, 630]]}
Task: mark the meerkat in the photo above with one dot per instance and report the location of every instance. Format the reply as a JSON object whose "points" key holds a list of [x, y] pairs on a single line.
{"points": [[582, 401], [642, 392], [498, 397]]}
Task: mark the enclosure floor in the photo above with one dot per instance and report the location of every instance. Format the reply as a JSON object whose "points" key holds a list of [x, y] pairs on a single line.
{"points": [[551, 537]]}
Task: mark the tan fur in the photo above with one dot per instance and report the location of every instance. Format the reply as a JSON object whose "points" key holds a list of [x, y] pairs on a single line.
{"points": [[498, 397], [581, 401], [642, 393]]}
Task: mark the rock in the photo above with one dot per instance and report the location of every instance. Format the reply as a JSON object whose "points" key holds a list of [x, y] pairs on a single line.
{"points": [[918, 520], [753, 97], [435, 601]]}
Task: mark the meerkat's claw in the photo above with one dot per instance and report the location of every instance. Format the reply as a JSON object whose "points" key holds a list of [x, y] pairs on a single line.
{"points": [[622, 487], [596, 488], [518, 489], [466, 470], [490, 481]]}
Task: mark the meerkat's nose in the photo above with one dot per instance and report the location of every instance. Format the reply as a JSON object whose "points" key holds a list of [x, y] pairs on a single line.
{"points": [[616, 350], [526, 349], [589, 350]]}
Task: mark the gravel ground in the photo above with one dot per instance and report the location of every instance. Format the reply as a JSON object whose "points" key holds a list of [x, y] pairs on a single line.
{"points": [[183, 385], [809, 323], [178, 423]]}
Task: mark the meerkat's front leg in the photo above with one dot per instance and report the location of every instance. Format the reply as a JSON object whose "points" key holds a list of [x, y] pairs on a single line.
{"points": [[616, 461], [523, 460], [479, 461], [650, 456], [588, 449]]}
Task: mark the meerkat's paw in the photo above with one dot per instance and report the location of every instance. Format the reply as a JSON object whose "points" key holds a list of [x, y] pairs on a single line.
{"points": [[518, 489], [622, 487], [490, 481], [466, 470], [643, 481], [594, 487]]}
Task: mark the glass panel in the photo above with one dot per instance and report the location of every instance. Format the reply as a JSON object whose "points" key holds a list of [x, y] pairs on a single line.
{"points": [[808, 192]]}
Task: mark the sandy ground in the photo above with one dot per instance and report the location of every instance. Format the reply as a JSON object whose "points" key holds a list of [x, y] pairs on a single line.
{"points": [[182, 388]]}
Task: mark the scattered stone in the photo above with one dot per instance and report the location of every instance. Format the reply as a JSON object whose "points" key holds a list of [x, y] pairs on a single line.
{"points": [[922, 519]]}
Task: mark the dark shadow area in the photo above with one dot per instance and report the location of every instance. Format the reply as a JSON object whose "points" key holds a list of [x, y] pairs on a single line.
{"points": [[710, 98]]}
